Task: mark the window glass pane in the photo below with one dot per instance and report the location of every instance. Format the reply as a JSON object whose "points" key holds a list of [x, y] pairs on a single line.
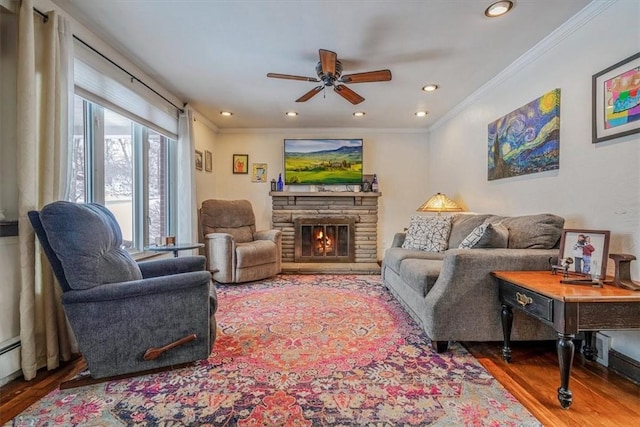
{"points": [[158, 175], [77, 185], [118, 172]]}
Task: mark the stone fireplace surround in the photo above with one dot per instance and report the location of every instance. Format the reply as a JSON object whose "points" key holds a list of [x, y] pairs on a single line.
{"points": [[362, 207]]}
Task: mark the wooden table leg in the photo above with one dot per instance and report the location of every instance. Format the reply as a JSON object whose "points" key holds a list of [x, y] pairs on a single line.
{"points": [[589, 350], [507, 321], [566, 349]]}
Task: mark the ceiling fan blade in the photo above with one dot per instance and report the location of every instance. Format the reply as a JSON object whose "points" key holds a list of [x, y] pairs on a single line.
{"points": [[290, 77], [348, 94], [307, 96], [369, 76], [328, 61]]}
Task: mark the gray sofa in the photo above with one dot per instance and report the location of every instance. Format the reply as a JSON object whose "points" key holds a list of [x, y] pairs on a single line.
{"points": [[452, 294]]}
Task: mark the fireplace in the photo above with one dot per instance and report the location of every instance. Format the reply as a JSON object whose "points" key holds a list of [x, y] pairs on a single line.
{"points": [[324, 240]]}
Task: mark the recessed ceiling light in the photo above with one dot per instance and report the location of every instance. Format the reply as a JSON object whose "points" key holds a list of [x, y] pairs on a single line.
{"points": [[359, 113], [421, 113], [226, 113], [430, 88], [291, 113], [498, 8]]}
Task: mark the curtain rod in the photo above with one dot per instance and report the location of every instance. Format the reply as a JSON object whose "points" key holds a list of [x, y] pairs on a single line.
{"points": [[45, 18]]}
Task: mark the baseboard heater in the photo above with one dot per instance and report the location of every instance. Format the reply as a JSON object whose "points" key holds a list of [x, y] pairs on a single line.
{"points": [[10, 347], [625, 366]]}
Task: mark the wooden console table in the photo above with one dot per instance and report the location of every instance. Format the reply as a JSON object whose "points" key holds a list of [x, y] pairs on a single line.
{"points": [[569, 309]]}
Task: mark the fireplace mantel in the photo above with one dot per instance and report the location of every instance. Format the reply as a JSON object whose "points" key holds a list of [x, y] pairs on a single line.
{"points": [[288, 206]]}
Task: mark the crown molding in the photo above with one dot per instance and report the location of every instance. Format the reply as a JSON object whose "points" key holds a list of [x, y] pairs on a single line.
{"points": [[325, 131], [590, 11]]}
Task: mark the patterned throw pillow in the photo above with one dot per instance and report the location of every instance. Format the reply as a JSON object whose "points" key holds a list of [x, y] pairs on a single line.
{"points": [[486, 236], [430, 234]]}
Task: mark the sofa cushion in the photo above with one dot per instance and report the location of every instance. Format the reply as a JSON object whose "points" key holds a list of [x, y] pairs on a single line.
{"points": [[420, 274], [540, 231], [428, 233], [462, 225], [393, 257], [487, 235]]}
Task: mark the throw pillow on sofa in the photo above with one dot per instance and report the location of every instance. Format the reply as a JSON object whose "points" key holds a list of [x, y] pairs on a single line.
{"points": [[430, 234], [487, 235]]}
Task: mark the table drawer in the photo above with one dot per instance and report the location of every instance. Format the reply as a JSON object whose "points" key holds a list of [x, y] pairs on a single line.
{"points": [[535, 304]]}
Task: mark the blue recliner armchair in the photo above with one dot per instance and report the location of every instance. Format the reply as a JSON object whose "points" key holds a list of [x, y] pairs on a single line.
{"points": [[127, 317]]}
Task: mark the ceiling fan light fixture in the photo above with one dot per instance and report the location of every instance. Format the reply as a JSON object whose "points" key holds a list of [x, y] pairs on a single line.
{"points": [[498, 8], [291, 113], [421, 113], [226, 113], [359, 113], [430, 87]]}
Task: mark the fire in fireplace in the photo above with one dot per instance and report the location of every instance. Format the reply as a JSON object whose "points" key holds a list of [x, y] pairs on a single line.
{"points": [[324, 240]]}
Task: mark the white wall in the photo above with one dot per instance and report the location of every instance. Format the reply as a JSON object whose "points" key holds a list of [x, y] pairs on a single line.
{"points": [[597, 185], [399, 158]]}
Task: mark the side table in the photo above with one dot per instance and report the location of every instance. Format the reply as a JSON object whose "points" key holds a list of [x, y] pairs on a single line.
{"points": [[569, 309], [174, 248]]}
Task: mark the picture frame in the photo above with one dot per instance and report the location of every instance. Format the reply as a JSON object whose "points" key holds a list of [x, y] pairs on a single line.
{"points": [[616, 100], [198, 159], [240, 164], [574, 243], [259, 172], [208, 161]]}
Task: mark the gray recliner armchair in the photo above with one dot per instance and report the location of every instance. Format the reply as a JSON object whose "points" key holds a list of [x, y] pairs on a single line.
{"points": [[235, 251], [127, 317]]}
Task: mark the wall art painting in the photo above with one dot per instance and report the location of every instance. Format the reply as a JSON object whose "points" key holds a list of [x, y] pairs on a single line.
{"points": [[526, 140], [241, 163], [616, 100], [259, 172]]}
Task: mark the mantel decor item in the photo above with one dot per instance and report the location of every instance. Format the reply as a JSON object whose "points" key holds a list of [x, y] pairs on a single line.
{"points": [[208, 161], [259, 172], [616, 100], [199, 160], [588, 250], [439, 203], [526, 140], [241, 164]]}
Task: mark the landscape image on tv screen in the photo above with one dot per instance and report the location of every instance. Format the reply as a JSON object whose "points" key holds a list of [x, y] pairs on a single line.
{"points": [[322, 161]]}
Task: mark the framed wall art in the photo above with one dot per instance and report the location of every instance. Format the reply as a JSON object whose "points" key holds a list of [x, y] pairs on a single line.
{"points": [[259, 172], [526, 140], [588, 249], [241, 163], [616, 100], [199, 160], [208, 161]]}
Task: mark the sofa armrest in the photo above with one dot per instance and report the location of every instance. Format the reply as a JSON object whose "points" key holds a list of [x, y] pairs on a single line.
{"points": [[272, 235], [167, 266], [465, 283], [398, 240], [220, 250]]}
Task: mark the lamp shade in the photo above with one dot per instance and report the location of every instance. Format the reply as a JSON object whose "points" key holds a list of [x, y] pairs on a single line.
{"points": [[439, 203]]}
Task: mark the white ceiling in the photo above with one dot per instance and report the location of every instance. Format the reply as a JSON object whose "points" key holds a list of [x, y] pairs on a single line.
{"points": [[215, 54]]}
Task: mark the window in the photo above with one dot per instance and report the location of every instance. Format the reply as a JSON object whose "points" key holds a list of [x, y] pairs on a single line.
{"points": [[124, 166]]}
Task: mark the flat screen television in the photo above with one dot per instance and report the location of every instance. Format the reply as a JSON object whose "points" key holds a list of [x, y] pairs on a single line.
{"points": [[322, 161]]}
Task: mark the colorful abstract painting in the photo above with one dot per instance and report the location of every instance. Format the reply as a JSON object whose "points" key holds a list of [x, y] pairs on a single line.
{"points": [[622, 99], [526, 140]]}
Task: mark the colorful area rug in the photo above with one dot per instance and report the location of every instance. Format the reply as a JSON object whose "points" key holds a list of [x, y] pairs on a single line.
{"points": [[301, 351]]}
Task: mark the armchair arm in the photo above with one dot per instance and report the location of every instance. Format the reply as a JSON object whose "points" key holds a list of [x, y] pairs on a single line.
{"points": [[138, 288], [267, 235], [167, 266], [220, 249], [398, 240]]}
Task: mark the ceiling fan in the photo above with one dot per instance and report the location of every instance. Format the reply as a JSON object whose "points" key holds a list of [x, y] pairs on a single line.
{"points": [[329, 71]]}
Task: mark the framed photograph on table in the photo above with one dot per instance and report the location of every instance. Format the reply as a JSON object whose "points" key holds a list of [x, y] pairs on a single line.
{"points": [[259, 172], [208, 161], [199, 160], [588, 249], [241, 163], [616, 100]]}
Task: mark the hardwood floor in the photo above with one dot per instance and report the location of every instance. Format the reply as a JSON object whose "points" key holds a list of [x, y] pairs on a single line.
{"points": [[600, 397]]}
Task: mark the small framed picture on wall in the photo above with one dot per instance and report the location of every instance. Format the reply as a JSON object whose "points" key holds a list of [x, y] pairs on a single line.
{"points": [[199, 160], [208, 161], [241, 163], [259, 172]]}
